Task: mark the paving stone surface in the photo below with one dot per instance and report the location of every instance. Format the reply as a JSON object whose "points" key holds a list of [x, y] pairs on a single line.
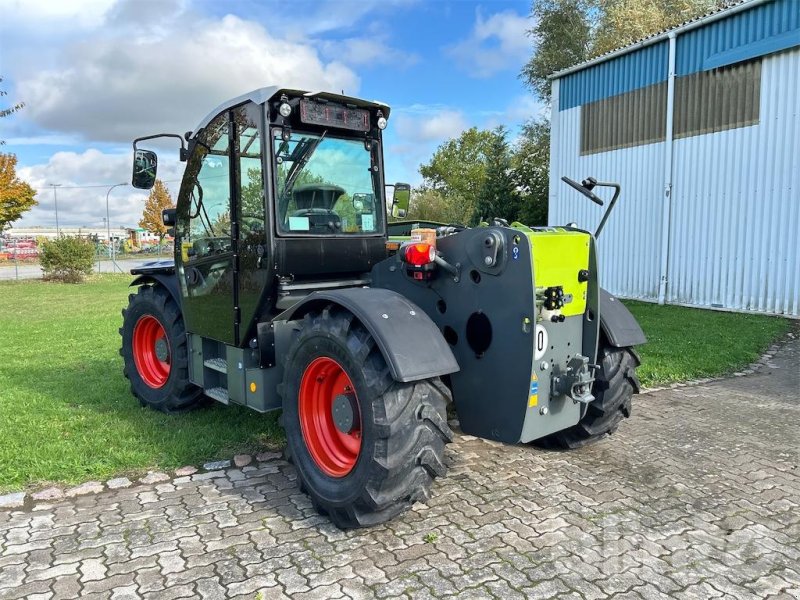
{"points": [[696, 496]]}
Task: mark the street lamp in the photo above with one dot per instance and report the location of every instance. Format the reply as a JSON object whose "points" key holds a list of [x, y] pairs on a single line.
{"points": [[55, 199], [108, 223]]}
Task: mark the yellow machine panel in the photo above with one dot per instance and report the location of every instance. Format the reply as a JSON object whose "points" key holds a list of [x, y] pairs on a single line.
{"points": [[558, 256]]}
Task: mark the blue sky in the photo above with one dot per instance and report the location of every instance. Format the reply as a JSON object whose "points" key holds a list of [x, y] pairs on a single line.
{"points": [[96, 73]]}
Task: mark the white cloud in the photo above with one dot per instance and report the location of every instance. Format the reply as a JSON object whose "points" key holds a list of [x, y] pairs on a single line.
{"points": [[86, 206], [84, 13], [368, 52], [443, 124], [496, 43], [116, 83]]}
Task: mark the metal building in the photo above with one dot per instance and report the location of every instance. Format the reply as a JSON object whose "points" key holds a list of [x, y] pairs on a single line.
{"points": [[701, 126]]}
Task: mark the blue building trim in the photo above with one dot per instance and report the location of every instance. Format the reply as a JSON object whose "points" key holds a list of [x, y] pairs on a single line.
{"points": [[760, 30], [616, 76], [742, 36]]}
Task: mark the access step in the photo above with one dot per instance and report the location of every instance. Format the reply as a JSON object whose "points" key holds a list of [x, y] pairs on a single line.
{"points": [[220, 394], [217, 364]]}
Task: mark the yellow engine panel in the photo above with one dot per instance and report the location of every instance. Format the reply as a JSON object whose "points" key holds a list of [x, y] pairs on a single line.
{"points": [[558, 254]]}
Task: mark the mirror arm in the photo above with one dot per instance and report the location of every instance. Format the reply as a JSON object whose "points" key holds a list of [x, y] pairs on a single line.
{"points": [[611, 204], [184, 154]]}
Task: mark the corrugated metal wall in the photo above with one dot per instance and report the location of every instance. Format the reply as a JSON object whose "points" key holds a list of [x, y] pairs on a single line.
{"points": [[629, 245], [734, 238], [735, 218]]}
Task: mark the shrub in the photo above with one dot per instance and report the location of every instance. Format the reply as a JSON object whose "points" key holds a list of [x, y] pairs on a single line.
{"points": [[67, 259]]}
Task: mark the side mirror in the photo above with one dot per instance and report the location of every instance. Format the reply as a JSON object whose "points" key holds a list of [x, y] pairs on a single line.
{"points": [[145, 168], [168, 216], [400, 200]]}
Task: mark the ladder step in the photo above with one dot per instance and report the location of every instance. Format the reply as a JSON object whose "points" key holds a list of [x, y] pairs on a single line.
{"points": [[220, 394], [217, 364]]}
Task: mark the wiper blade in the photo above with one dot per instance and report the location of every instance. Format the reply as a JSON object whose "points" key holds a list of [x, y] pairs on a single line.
{"points": [[303, 159]]}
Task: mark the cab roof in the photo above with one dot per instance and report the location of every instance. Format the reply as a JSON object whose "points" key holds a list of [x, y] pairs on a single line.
{"points": [[265, 94]]}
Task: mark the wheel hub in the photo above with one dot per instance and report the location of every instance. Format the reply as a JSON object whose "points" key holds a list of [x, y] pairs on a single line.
{"points": [[162, 350], [345, 410]]}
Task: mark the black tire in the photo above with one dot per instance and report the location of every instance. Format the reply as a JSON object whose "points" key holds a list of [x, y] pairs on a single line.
{"points": [[403, 426], [177, 393], [614, 386]]}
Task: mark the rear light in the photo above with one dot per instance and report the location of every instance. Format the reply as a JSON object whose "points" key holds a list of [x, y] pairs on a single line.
{"points": [[419, 254]]}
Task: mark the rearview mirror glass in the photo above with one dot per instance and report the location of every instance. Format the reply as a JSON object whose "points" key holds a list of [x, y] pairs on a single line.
{"points": [[400, 200], [145, 168]]}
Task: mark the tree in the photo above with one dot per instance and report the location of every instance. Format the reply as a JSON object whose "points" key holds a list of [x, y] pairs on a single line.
{"points": [[158, 200], [498, 197], [16, 196], [531, 166], [561, 38], [457, 171], [432, 205], [67, 259], [625, 21], [8, 111]]}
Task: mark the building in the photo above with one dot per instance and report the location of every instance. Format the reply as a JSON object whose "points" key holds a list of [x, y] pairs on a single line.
{"points": [[701, 126]]}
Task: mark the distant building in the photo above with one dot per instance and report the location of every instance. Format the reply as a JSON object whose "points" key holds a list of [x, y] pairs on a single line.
{"points": [[701, 126]]}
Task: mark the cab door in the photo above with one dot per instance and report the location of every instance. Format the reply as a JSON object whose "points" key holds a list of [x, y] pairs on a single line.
{"points": [[204, 245]]}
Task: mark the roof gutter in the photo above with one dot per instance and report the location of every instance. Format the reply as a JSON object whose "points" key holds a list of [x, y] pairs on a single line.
{"points": [[660, 37]]}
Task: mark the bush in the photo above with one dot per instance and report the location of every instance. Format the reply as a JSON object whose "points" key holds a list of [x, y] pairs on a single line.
{"points": [[67, 259]]}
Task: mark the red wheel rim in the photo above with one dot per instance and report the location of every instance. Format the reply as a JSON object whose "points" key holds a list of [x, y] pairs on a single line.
{"points": [[150, 341], [334, 451]]}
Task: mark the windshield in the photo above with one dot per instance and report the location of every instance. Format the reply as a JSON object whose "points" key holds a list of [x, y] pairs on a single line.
{"points": [[325, 186]]}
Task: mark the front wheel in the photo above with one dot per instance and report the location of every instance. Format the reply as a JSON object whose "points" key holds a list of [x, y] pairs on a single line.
{"points": [[614, 386], [365, 446], [155, 353]]}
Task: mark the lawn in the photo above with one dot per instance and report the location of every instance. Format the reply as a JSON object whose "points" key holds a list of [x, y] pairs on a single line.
{"points": [[68, 415]]}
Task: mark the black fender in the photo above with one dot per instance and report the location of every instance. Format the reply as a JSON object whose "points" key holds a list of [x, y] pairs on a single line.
{"points": [[170, 283], [412, 345], [618, 324]]}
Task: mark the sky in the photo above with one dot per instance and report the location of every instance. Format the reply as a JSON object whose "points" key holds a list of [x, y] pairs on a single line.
{"points": [[94, 74]]}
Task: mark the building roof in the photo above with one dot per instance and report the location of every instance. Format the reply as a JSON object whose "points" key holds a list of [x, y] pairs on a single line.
{"points": [[718, 13]]}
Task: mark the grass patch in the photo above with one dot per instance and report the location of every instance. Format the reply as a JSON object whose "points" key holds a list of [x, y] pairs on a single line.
{"points": [[68, 414], [692, 343]]}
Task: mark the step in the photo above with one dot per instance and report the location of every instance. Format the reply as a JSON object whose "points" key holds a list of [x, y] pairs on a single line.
{"points": [[217, 364], [220, 394]]}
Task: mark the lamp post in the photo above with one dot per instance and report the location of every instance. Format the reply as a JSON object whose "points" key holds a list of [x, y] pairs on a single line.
{"points": [[108, 220], [55, 200]]}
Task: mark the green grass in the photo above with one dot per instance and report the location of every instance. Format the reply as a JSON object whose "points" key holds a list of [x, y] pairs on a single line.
{"points": [[67, 412], [68, 415], [691, 343]]}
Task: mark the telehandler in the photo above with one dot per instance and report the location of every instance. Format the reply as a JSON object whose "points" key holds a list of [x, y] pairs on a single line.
{"points": [[285, 293]]}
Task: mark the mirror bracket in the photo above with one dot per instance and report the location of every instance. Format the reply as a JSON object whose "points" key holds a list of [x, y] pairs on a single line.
{"points": [[183, 155]]}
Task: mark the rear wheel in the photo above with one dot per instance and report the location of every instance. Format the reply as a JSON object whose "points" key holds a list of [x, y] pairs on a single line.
{"points": [[154, 351], [365, 446], [614, 386]]}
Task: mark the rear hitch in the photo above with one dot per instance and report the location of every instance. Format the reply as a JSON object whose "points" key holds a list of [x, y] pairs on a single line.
{"points": [[576, 381]]}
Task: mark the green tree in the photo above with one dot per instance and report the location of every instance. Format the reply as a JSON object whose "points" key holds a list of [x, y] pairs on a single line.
{"points": [[457, 171], [531, 166], [561, 38], [6, 111], [158, 200], [625, 21], [498, 197], [16, 196], [432, 205]]}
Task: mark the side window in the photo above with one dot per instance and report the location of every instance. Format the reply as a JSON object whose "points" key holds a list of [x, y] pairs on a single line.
{"points": [[208, 229], [251, 179]]}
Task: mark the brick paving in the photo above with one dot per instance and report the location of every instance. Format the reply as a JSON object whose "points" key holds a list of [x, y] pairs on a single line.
{"points": [[697, 496]]}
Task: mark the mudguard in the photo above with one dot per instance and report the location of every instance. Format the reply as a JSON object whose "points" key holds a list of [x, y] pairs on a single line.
{"points": [[409, 340], [617, 322], [162, 272]]}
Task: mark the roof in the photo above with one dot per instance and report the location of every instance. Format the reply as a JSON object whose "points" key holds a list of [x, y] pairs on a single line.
{"points": [[708, 17], [264, 94]]}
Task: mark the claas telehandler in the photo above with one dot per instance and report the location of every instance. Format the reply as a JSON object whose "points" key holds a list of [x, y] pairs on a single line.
{"points": [[286, 292]]}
